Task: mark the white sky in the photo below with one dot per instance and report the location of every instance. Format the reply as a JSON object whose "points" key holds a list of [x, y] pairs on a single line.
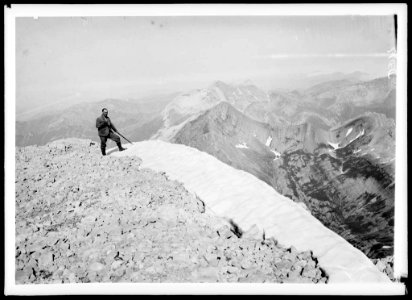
{"points": [[72, 58]]}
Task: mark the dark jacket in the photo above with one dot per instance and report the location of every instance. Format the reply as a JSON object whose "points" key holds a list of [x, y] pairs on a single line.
{"points": [[104, 125]]}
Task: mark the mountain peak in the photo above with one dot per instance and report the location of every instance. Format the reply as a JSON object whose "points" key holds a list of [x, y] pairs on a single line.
{"points": [[219, 83], [247, 82], [104, 219]]}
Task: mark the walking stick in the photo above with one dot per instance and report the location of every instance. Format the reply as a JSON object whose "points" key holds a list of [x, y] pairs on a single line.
{"points": [[124, 137]]}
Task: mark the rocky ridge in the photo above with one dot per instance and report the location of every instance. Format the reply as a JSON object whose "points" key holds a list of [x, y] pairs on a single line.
{"points": [[81, 217]]}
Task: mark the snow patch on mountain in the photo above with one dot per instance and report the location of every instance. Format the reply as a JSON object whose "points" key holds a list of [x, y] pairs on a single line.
{"points": [[246, 200], [334, 145], [167, 133], [358, 135], [276, 153], [191, 103], [242, 146]]}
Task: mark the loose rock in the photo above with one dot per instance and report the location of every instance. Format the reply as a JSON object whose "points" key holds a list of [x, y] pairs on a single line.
{"points": [[81, 217]]}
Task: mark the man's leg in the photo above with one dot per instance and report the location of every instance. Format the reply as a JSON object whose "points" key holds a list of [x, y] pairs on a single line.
{"points": [[116, 139], [103, 140]]}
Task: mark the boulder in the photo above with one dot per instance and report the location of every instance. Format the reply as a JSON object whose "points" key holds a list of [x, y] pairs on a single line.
{"points": [[96, 267], [209, 274], [116, 264], [309, 272], [45, 260], [22, 276], [253, 232]]}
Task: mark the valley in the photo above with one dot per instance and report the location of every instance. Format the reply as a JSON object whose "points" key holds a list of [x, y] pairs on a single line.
{"points": [[343, 174]]}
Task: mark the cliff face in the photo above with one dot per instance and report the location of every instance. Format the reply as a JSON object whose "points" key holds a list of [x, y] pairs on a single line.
{"points": [[81, 217], [350, 195]]}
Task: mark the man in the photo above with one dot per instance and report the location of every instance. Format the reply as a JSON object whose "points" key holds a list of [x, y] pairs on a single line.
{"points": [[105, 129]]}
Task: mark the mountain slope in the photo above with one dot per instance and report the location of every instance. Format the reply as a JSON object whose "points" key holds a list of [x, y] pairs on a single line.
{"points": [[248, 201], [345, 176], [189, 106], [137, 120], [223, 131], [234, 138], [84, 218], [348, 189]]}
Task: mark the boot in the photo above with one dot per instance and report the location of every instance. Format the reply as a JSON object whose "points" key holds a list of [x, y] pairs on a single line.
{"points": [[103, 151], [120, 147]]}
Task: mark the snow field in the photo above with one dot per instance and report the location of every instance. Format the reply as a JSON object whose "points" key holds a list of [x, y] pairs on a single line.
{"points": [[248, 201]]}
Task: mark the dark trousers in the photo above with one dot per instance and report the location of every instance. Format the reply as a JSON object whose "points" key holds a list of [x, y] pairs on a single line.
{"points": [[113, 137]]}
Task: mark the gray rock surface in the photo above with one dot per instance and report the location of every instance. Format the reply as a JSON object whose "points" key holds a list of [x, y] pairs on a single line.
{"points": [[385, 265], [81, 217]]}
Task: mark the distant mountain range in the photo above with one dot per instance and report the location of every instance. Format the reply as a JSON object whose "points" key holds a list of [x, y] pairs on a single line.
{"points": [[330, 147], [137, 120], [307, 80]]}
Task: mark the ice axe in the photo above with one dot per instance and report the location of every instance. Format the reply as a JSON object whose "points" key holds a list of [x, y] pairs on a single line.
{"points": [[124, 137]]}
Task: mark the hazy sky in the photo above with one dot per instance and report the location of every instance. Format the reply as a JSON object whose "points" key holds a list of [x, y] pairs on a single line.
{"points": [[73, 58]]}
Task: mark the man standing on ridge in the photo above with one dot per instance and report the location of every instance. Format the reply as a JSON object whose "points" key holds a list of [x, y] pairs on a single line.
{"points": [[105, 129]]}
